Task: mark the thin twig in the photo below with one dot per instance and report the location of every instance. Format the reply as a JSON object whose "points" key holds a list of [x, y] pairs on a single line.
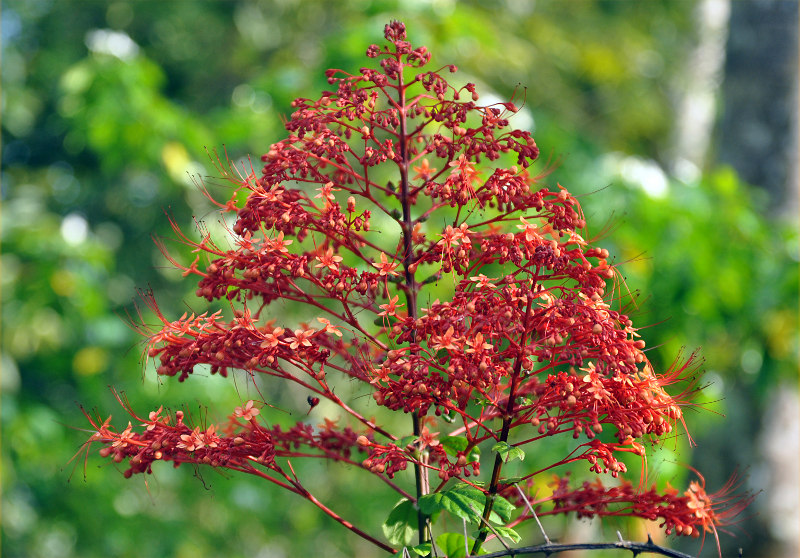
{"points": [[433, 545], [533, 513], [466, 541]]}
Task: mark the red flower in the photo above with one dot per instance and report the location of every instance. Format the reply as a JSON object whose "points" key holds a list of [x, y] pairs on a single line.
{"points": [[247, 412], [385, 266]]}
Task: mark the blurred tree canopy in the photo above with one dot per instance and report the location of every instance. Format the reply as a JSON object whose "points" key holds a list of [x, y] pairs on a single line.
{"points": [[108, 110]]}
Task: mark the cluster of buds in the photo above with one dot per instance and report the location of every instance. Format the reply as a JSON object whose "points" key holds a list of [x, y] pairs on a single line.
{"points": [[392, 190]]}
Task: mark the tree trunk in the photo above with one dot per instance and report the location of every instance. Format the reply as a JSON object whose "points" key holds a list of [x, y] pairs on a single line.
{"points": [[758, 130]]}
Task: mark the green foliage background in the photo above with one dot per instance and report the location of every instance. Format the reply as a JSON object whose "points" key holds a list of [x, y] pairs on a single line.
{"points": [[100, 137]]}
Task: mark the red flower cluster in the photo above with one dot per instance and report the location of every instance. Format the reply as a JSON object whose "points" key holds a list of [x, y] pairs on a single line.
{"points": [[692, 513], [533, 341], [239, 445]]}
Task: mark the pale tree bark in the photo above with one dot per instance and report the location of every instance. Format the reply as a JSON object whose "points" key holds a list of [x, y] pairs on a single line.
{"points": [[697, 92], [758, 136]]}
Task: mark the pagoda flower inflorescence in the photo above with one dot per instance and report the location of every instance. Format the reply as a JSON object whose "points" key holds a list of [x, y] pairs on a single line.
{"points": [[392, 190]]}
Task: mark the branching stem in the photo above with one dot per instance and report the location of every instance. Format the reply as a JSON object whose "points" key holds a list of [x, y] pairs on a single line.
{"points": [[508, 418]]}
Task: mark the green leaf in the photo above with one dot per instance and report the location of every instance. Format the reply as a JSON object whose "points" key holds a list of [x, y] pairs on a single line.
{"points": [[508, 533], [452, 544], [467, 502], [511, 480], [503, 509], [453, 444], [423, 549], [474, 454], [398, 526], [405, 440], [508, 453], [462, 500]]}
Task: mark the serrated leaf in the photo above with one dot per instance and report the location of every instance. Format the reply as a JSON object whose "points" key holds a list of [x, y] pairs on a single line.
{"points": [[398, 528], [453, 444], [470, 491], [500, 447], [508, 533], [508, 453], [452, 544], [511, 480], [423, 549], [462, 500], [503, 510]]}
